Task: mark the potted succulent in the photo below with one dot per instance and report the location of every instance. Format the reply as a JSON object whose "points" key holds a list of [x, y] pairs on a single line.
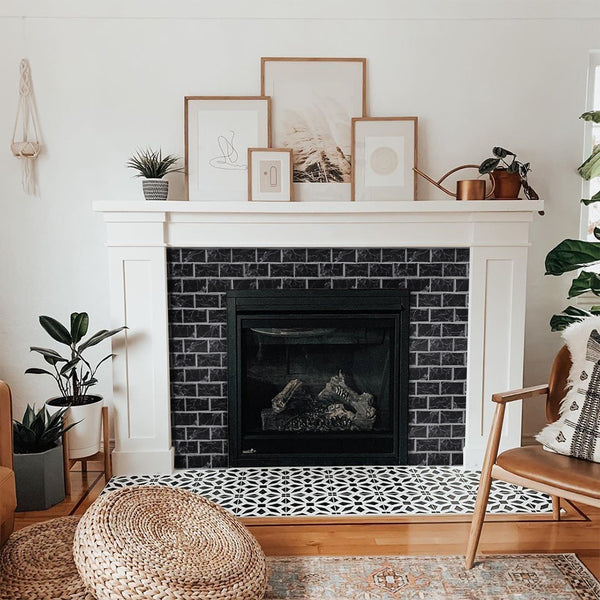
{"points": [[38, 459], [75, 376], [152, 166], [508, 174], [573, 255]]}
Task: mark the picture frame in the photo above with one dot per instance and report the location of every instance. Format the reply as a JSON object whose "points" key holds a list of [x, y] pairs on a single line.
{"points": [[218, 131], [384, 151], [314, 101], [270, 175]]}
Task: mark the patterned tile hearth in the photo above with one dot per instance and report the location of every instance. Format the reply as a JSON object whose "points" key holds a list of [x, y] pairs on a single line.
{"points": [[345, 491]]}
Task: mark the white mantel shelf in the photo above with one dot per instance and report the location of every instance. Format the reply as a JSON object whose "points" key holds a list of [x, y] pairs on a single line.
{"points": [[138, 232], [302, 208]]}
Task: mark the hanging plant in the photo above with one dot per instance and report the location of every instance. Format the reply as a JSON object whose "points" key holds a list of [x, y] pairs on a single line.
{"points": [[571, 255]]}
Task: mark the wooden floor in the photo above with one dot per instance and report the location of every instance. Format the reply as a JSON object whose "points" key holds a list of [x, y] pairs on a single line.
{"points": [[579, 533]]}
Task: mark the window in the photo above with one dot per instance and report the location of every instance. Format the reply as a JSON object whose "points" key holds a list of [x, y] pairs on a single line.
{"points": [[591, 214]]}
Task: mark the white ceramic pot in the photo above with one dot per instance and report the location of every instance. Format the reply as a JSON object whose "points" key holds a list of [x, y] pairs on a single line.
{"points": [[84, 438], [155, 189]]}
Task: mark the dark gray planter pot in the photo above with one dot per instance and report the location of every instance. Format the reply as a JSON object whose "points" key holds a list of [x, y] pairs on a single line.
{"points": [[40, 479], [155, 189]]}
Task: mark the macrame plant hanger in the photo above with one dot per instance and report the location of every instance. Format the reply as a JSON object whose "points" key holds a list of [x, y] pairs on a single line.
{"points": [[28, 147]]}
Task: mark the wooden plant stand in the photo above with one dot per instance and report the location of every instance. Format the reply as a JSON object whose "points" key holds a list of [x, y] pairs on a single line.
{"points": [[101, 456]]}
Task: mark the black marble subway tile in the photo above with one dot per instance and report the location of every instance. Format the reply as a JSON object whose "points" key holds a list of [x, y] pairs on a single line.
{"points": [[394, 255], [194, 345], [442, 284], [405, 269], [179, 433], [175, 316], [418, 255], [193, 255], [417, 459], [343, 255], [181, 331], [306, 270], [218, 255], [380, 270], [344, 284], [431, 269], [207, 360], [204, 331], [268, 255], [455, 300], [209, 418], [454, 358], [319, 284], [243, 255], [370, 255], [228, 270], [298, 284], [452, 416], [217, 346], [419, 315], [206, 270], [331, 270], [439, 403], [206, 300], [281, 270], [269, 284], [451, 445], [197, 404], [181, 301], [460, 284], [196, 375], [218, 404], [438, 458], [442, 315], [458, 431], [194, 285], [455, 270], [429, 300], [441, 345], [173, 255], [180, 360], [180, 270], [180, 461], [293, 255], [363, 283], [199, 461], [198, 433], [427, 445], [443, 255], [454, 330], [462, 255], [417, 403], [218, 285], [211, 447], [439, 431], [219, 461], [428, 416], [256, 270], [440, 373], [318, 255], [194, 315], [417, 431], [175, 346], [418, 345], [217, 315], [396, 283], [428, 388], [243, 284]]}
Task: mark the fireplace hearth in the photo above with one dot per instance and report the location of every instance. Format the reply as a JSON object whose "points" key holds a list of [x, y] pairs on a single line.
{"points": [[317, 377]]}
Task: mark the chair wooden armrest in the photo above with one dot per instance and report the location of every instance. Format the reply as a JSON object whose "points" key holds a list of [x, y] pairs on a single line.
{"points": [[523, 394]]}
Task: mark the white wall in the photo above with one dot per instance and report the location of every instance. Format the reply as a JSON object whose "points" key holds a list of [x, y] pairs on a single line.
{"points": [[110, 77]]}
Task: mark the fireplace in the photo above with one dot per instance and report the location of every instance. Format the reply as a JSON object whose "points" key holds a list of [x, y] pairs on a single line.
{"points": [[317, 377]]}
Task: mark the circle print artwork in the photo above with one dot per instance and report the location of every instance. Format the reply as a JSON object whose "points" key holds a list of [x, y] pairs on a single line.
{"points": [[384, 160]]}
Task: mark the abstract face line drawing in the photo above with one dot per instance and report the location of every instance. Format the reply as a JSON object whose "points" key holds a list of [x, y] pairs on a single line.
{"points": [[228, 159]]}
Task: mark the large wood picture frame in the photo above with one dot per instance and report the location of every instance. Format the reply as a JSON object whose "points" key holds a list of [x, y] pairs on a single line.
{"points": [[215, 163], [384, 152], [314, 101]]}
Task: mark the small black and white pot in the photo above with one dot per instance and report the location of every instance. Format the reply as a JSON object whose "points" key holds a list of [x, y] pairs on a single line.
{"points": [[155, 189]]}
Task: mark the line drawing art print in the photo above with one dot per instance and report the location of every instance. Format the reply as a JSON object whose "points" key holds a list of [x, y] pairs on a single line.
{"points": [[229, 157]]}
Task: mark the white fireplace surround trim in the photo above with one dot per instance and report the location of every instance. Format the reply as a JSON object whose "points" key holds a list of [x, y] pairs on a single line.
{"points": [[497, 233]]}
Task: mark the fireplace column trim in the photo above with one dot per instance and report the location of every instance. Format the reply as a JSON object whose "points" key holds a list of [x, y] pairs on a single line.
{"points": [[138, 233]]}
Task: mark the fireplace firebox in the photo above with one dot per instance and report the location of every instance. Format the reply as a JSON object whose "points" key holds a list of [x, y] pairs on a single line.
{"points": [[317, 377]]}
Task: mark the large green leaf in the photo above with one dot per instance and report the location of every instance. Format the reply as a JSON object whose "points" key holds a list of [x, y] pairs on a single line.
{"points": [[70, 365], [79, 325], [36, 371], [56, 330], [98, 337], [594, 198], [570, 255], [51, 356], [488, 165], [590, 167], [592, 115], [585, 282], [567, 317]]}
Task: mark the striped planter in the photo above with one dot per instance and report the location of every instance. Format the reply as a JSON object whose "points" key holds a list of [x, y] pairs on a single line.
{"points": [[155, 189]]}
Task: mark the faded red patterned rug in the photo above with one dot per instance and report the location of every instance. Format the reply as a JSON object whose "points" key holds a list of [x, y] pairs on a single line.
{"points": [[524, 576]]}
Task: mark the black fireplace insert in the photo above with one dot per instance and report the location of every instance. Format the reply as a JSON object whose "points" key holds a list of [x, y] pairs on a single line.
{"points": [[317, 377]]}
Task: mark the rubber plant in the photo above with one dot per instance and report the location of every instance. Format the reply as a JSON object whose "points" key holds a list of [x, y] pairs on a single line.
{"points": [[572, 255], [73, 373]]}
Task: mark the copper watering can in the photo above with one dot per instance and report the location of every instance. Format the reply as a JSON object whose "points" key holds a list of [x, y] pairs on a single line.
{"points": [[466, 189]]}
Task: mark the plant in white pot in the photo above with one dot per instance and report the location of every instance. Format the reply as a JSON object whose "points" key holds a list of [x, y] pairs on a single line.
{"points": [[153, 167], [75, 376], [38, 459]]}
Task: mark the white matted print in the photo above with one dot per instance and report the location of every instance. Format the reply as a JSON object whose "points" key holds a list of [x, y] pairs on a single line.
{"points": [[314, 101], [384, 151], [270, 174], [218, 132]]}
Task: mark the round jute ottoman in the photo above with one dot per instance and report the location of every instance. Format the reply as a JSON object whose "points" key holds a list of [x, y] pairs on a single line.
{"points": [[36, 563], [161, 542]]}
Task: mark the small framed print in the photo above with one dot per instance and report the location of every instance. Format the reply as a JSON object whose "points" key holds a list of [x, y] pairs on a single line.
{"points": [[384, 151], [218, 132], [270, 174]]}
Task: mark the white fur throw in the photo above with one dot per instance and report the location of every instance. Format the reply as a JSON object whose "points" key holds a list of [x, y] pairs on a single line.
{"points": [[577, 431]]}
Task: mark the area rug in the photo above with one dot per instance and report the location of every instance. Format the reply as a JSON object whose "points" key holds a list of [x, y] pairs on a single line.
{"points": [[525, 576]]}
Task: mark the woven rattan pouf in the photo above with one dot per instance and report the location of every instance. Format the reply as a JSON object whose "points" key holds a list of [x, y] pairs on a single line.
{"points": [[161, 542], [37, 563]]}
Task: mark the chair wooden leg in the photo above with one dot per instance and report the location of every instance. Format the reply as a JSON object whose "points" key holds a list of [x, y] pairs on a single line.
{"points": [[483, 493], [485, 483], [556, 508]]}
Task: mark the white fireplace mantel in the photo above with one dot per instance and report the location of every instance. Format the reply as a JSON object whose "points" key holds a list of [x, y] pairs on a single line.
{"points": [[496, 231]]}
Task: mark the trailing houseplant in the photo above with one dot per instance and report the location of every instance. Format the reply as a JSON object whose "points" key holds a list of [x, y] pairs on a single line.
{"points": [[75, 376], [572, 255], [152, 166], [38, 460], [508, 173]]}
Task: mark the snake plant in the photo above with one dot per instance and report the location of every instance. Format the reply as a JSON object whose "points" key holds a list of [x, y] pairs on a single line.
{"points": [[38, 431], [572, 255]]}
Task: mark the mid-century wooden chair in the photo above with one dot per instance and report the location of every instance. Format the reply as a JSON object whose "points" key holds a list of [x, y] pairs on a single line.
{"points": [[532, 466], [8, 495]]}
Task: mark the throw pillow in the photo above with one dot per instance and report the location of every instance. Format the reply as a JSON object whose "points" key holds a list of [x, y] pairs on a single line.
{"points": [[577, 431]]}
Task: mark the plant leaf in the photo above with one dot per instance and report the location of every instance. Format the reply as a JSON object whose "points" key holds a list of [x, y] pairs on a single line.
{"points": [[594, 198], [79, 325], [99, 337], [567, 317], [585, 282], [36, 371], [502, 152], [570, 255], [488, 165], [68, 366], [591, 166], [592, 115], [56, 330], [51, 356], [513, 167]]}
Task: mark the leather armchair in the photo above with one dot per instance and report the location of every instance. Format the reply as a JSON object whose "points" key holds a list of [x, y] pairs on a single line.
{"points": [[8, 495], [533, 467]]}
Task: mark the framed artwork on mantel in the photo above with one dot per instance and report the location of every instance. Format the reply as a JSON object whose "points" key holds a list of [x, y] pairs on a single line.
{"points": [[314, 101], [218, 132], [384, 152], [270, 174]]}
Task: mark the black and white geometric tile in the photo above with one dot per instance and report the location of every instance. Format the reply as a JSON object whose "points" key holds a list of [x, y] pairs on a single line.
{"points": [[345, 491]]}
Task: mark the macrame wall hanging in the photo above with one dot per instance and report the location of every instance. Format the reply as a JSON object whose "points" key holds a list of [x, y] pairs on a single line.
{"points": [[26, 143]]}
